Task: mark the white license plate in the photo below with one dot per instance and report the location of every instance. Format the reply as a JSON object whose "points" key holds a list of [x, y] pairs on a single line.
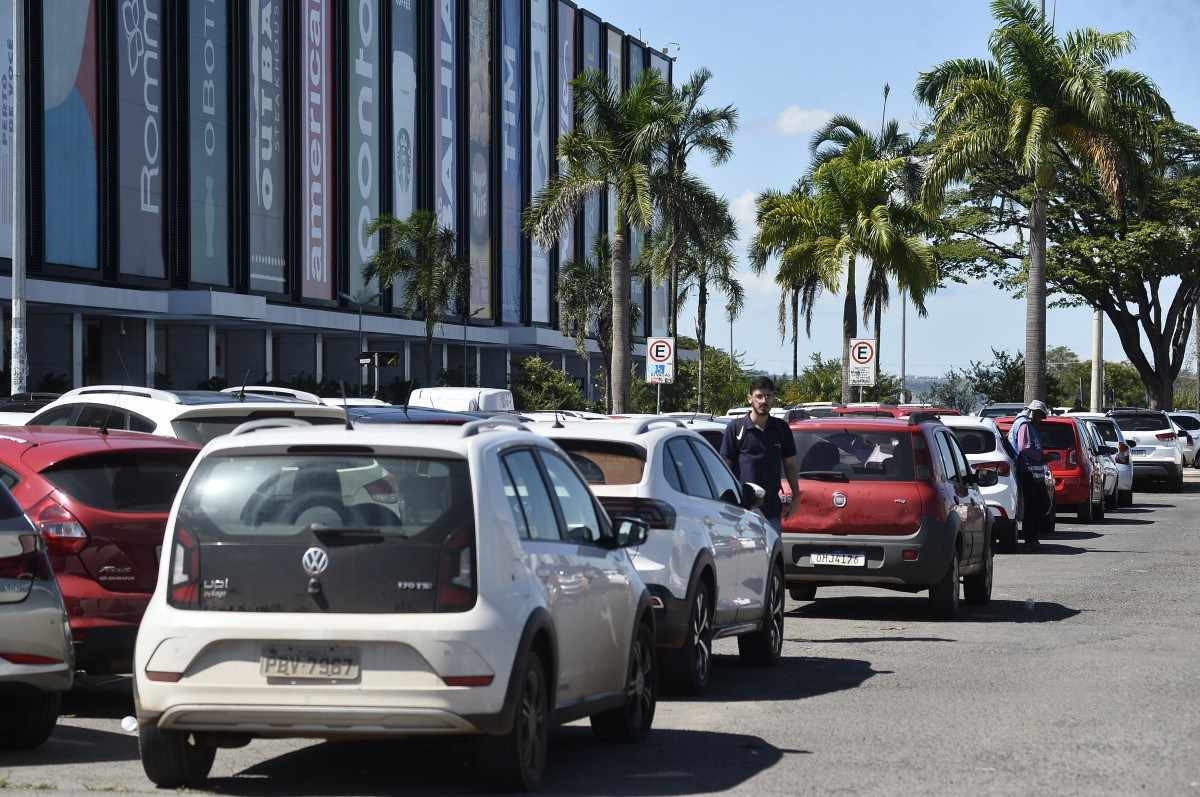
{"points": [[840, 558], [1142, 451], [319, 663]]}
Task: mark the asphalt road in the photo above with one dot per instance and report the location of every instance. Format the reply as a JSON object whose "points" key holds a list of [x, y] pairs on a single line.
{"points": [[1081, 677]]}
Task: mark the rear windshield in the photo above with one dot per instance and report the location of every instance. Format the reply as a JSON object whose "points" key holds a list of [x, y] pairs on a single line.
{"points": [[602, 462], [1106, 429], [1057, 435], [975, 439], [139, 483], [202, 428], [859, 455], [234, 497], [1186, 422], [1142, 422]]}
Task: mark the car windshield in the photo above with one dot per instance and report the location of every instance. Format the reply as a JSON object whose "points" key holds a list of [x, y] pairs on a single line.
{"points": [[856, 454], [1186, 422], [203, 428], [975, 439], [1060, 436], [603, 462], [1107, 430], [137, 482], [1142, 422]]}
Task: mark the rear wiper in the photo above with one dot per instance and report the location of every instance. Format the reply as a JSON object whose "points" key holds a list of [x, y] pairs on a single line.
{"points": [[824, 475], [345, 535]]}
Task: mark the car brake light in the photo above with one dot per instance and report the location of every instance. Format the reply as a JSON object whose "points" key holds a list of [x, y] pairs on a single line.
{"points": [[656, 514], [456, 573], [28, 565], [184, 590], [62, 532], [468, 680], [1001, 467], [1073, 458], [162, 676], [1165, 436], [921, 458], [28, 658]]}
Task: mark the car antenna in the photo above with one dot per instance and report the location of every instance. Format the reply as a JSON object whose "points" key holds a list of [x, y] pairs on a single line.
{"points": [[242, 392], [558, 424], [345, 406]]}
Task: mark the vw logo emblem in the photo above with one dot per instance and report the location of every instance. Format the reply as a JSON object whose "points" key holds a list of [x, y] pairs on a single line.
{"points": [[314, 561], [839, 500]]}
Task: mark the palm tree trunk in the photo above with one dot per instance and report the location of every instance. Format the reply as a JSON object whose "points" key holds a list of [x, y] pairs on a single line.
{"points": [[795, 334], [849, 330], [701, 334], [620, 324], [428, 358], [878, 337], [673, 299], [1035, 302]]}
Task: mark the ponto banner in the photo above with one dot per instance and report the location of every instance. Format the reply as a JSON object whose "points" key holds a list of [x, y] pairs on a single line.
{"points": [[863, 352], [660, 361]]}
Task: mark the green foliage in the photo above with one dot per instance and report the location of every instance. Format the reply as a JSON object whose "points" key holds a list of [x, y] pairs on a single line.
{"points": [[820, 380], [1002, 379], [725, 386], [542, 386], [954, 390]]}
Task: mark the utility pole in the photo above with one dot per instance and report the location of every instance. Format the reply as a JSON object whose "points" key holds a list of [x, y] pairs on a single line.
{"points": [[1196, 327], [19, 368], [1097, 361]]}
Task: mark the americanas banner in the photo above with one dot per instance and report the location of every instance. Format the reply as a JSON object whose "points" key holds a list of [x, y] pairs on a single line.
{"points": [[315, 48]]}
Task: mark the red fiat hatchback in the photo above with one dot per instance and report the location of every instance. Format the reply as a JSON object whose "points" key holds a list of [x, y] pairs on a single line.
{"points": [[1078, 476], [100, 501]]}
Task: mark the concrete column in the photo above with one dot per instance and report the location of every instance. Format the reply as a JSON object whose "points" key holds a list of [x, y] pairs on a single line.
{"points": [[212, 351], [478, 366], [408, 361], [151, 353], [446, 357], [1097, 361], [319, 367], [76, 349], [269, 351], [590, 390], [508, 368], [563, 366]]}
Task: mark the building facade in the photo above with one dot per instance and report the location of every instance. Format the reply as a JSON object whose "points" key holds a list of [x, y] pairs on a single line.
{"points": [[202, 173]]}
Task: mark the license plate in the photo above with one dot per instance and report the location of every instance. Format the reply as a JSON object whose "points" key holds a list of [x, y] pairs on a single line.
{"points": [[319, 663], [1142, 451], [840, 558]]}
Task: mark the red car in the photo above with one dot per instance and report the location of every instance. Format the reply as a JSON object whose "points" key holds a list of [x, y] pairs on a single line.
{"points": [[890, 410], [100, 501], [1078, 475]]}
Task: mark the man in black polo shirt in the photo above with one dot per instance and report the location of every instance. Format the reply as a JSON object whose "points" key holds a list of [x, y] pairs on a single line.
{"points": [[760, 448]]}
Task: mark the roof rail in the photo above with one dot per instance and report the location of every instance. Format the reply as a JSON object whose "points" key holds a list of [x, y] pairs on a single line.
{"points": [[484, 424], [259, 424], [645, 424], [125, 390]]}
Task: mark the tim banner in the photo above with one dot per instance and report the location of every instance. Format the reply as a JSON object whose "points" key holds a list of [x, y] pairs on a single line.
{"points": [[404, 117], [265, 140], [539, 148], [863, 352], [315, 48], [566, 109], [511, 164], [479, 155], [591, 205], [445, 114], [660, 361]]}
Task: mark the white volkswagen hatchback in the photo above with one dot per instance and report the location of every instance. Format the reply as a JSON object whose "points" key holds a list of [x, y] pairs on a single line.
{"points": [[406, 580], [713, 565]]}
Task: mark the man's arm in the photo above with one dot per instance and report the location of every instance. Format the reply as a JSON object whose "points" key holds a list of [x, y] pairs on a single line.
{"points": [[727, 451], [791, 468]]}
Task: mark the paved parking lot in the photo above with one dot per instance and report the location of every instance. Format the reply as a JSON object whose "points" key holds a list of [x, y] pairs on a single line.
{"points": [[1080, 677]]}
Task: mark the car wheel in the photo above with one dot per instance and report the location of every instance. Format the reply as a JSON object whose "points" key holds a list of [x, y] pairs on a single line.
{"points": [[1007, 536], [764, 647], [29, 720], [1098, 510], [943, 596], [977, 587], [632, 721], [803, 592], [1084, 513], [1125, 498], [1110, 501], [690, 665], [517, 759], [173, 759], [1176, 480]]}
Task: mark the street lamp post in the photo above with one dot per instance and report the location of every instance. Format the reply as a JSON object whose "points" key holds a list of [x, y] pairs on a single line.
{"points": [[360, 303]]}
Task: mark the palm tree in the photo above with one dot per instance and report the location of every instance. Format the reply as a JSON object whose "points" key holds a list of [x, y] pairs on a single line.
{"points": [[1040, 104], [424, 257], [609, 149]]}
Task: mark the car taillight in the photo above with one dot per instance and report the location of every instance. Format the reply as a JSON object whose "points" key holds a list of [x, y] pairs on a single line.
{"points": [[656, 514], [184, 589], [1073, 458], [1001, 467], [1165, 436], [921, 459], [456, 573], [61, 531], [28, 565], [1122, 457], [28, 658]]}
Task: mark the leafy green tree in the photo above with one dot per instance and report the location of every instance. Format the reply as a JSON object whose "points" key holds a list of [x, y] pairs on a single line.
{"points": [[1041, 106], [820, 380], [725, 386], [609, 149], [954, 390], [541, 386], [424, 257], [1002, 379]]}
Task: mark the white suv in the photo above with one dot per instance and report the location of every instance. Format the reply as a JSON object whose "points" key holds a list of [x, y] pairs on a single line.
{"points": [[396, 581], [713, 565], [986, 448], [195, 415], [1155, 449]]}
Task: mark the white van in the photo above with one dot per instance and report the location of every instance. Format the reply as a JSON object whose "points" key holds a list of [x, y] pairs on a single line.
{"points": [[463, 399]]}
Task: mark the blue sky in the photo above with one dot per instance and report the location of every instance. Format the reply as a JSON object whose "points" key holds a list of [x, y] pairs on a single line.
{"points": [[787, 65]]}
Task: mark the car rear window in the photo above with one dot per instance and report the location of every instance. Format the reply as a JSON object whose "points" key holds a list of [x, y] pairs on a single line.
{"points": [[1186, 422], [975, 439], [203, 428], [603, 462], [141, 482], [1142, 422], [1057, 435], [858, 454]]}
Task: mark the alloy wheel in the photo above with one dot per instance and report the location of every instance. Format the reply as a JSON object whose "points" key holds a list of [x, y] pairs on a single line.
{"points": [[530, 731], [640, 689], [702, 636], [775, 612]]}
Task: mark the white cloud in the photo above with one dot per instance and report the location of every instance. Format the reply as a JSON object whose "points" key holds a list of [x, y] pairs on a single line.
{"points": [[743, 210], [796, 121]]}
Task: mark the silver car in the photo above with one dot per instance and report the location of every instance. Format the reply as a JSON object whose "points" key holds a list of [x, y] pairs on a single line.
{"points": [[36, 658]]}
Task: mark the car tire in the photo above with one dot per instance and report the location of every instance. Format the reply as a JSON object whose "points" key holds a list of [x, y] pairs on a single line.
{"points": [[173, 759], [688, 668], [1124, 497], [28, 720], [1006, 534], [1110, 501], [943, 596], [516, 760], [631, 722], [1098, 510], [1084, 512], [764, 647], [977, 587], [1175, 482], [803, 592]]}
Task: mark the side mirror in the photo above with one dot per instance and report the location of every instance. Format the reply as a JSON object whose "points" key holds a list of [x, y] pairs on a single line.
{"points": [[731, 498], [630, 532], [752, 495], [987, 478]]}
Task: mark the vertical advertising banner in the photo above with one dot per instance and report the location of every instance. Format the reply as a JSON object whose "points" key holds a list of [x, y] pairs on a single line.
{"points": [[404, 116], [140, 138], [208, 140], [660, 298], [445, 115], [364, 138], [539, 149], [591, 206], [7, 52], [635, 60], [69, 120], [566, 109], [615, 71], [316, 132], [265, 142], [511, 165], [479, 154]]}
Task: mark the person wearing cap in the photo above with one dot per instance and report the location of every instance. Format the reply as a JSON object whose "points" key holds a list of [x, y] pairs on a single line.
{"points": [[1027, 443]]}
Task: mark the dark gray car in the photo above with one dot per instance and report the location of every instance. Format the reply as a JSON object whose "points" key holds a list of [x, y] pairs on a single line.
{"points": [[36, 658]]}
